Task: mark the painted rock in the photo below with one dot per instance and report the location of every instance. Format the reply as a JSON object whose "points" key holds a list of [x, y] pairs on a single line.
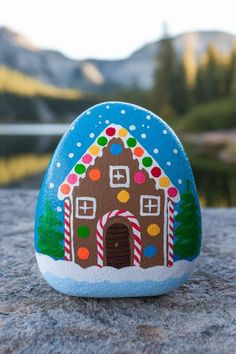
{"points": [[118, 213]]}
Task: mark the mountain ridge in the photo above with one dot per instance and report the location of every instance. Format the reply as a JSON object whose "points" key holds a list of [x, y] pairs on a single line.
{"points": [[99, 75]]}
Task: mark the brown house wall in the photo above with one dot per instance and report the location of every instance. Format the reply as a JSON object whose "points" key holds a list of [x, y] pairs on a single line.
{"points": [[106, 198]]}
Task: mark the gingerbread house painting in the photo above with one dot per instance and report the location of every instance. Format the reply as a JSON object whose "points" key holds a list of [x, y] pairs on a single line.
{"points": [[118, 205]]}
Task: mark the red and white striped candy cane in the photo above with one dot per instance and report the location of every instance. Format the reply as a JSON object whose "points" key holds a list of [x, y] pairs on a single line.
{"points": [[67, 234], [136, 235], [170, 231]]}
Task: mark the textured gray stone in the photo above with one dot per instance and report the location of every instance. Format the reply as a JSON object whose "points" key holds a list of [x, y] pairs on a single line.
{"points": [[199, 317]]}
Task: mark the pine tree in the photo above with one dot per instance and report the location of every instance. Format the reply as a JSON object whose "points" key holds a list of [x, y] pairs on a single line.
{"points": [[233, 72], [50, 237], [211, 78], [163, 74], [180, 92], [190, 65], [188, 233], [170, 90]]}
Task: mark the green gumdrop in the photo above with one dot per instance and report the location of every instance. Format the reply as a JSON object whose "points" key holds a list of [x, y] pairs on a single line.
{"points": [[80, 168], [102, 141], [83, 231]]}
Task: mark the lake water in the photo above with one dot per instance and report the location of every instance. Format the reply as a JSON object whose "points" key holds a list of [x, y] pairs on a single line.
{"points": [[25, 151], [16, 139], [32, 129]]}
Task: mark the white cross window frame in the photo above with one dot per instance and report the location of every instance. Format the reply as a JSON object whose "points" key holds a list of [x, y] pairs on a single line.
{"points": [[112, 171], [85, 199], [146, 198]]}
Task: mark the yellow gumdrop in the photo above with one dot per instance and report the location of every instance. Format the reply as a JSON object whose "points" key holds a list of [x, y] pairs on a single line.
{"points": [[94, 150], [123, 132], [123, 196], [153, 229], [164, 182]]}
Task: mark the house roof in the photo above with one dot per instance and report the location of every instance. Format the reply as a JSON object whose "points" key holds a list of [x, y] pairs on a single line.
{"points": [[146, 161]]}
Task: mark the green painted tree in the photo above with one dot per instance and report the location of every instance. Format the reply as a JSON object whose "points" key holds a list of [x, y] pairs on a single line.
{"points": [[188, 232], [50, 237]]}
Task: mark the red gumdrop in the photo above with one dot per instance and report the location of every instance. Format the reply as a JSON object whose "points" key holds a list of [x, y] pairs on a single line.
{"points": [[172, 192], [156, 172], [110, 131]]}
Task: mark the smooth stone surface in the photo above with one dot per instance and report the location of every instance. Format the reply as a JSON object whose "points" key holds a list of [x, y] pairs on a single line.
{"points": [[199, 317], [118, 257]]}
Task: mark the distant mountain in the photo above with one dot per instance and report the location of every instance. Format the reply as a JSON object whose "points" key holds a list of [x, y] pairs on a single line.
{"points": [[93, 75]]}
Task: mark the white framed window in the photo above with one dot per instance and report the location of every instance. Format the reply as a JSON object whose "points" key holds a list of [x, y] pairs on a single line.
{"points": [[85, 208], [119, 176], [149, 205]]}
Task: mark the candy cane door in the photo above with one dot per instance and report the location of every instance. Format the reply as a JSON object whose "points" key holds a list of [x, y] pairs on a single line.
{"points": [[117, 242]]}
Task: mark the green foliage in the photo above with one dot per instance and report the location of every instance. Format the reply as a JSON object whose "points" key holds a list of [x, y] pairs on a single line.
{"points": [[212, 80], [188, 233], [25, 99], [220, 114], [170, 91], [13, 81], [49, 237], [181, 94], [17, 108], [232, 73]]}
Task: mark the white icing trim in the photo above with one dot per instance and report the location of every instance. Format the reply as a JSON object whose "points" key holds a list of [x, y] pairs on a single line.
{"points": [[61, 196]]}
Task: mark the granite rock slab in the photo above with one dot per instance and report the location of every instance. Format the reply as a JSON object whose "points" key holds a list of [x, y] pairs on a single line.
{"points": [[199, 317]]}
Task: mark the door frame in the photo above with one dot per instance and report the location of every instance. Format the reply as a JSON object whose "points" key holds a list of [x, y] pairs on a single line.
{"points": [[136, 234], [129, 237]]}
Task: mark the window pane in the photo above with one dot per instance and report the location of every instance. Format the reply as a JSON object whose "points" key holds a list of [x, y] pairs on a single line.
{"points": [[119, 176], [85, 208], [149, 205]]}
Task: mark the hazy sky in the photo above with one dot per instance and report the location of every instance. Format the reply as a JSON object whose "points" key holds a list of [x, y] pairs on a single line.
{"points": [[111, 29]]}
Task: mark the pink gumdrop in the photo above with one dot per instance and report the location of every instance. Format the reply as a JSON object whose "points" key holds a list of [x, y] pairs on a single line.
{"points": [[172, 192], [87, 158], [139, 177], [72, 179]]}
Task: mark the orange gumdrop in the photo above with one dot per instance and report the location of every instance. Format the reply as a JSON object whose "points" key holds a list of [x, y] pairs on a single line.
{"points": [[83, 253], [138, 151], [95, 174], [65, 188]]}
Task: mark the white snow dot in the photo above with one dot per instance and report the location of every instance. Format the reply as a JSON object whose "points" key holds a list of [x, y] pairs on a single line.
{"points": [[148, 126], [58, 164], [59, 209], [88, 113], [71, 155], [72, 128], [168, 163], [51, 185], [143, 125], [99, 122], [107, 121], [100, 116], [107, 107], [132, 127], [175, 213], [91, 135], [148, 117], [143, 136], [78, 144], [96, 125], [155, 151], [164, 131], [122, 111], [180, 181], [175, 151]]}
